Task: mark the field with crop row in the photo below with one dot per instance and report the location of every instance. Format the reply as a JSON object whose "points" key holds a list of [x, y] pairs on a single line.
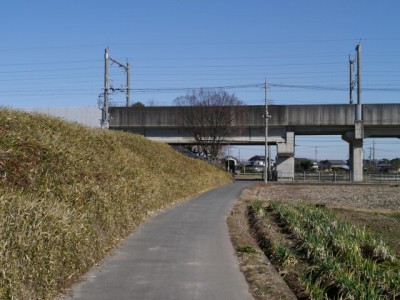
{"points": [[320, 249], [346, 261]]}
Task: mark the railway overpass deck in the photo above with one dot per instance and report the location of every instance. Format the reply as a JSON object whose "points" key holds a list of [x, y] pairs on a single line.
{"points": [[164, 124]]}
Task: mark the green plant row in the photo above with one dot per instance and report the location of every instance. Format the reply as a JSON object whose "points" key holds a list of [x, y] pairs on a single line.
{"points": [[281, 251], [348, 262]]}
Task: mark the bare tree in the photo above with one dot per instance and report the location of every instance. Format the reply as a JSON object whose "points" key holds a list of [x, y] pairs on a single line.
{"points": [[213, 116], [138, 105]]}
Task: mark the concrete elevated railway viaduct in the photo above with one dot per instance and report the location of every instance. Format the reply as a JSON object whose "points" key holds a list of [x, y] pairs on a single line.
{"points": [[164, 124]]}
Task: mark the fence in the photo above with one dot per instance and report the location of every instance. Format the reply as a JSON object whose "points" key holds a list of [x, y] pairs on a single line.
{"points": [[322, 176], [382, 177], [326, 177], [343, 177]]}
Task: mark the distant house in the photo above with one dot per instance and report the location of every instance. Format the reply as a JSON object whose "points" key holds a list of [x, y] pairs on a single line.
{"points": [[330, 164], [257, 161], [384, 166], [381, 166]]}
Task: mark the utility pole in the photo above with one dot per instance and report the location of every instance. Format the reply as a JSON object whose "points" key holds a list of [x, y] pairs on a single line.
{"points": [[316, 152], [351, 81], [104, 115], [128, 84], [370, 157], [266, 116], [358, 112], [370, 154], [373, 154], [269, 161]]}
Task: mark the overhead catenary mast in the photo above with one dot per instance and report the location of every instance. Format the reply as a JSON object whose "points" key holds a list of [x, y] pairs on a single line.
{"points": [[128, 85], [127, 70], [107, 61], [104, 115], [351, 81], [358, 111]]}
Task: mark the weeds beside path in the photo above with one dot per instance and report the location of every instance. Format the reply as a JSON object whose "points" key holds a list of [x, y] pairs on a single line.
{"points": [[70, 194]]}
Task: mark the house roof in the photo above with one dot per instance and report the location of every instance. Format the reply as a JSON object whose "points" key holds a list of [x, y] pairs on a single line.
{"points": [[384, 165], [230, 157], [257, 157], [302, 158]]}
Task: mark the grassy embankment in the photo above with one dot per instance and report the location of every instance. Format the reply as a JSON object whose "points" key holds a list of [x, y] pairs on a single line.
{"points": [[69, 194]]}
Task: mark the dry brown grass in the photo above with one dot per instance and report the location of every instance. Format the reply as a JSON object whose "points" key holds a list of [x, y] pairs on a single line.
{"points": [[69, 194]]}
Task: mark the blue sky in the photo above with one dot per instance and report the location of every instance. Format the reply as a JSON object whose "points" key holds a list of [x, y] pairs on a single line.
{"points": [[51, 54]]}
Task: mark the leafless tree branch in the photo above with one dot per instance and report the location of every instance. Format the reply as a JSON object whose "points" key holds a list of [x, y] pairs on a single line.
{"points": [[213, 117]]}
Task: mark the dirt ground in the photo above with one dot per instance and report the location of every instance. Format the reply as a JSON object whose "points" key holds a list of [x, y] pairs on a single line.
{"points": [[377, 207], [361, 196]]}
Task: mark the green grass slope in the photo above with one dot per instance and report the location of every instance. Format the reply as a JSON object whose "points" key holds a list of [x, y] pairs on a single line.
{"points": [[69, 194]]}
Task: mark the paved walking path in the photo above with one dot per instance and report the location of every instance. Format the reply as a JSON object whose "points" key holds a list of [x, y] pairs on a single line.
{"points": [[183, 253]]}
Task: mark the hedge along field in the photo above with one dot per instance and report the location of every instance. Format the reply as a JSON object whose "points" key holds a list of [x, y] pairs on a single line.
{"points": [[69, 194]]}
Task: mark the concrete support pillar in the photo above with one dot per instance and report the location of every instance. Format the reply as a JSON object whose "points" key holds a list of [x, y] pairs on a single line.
{"points": [[285, 159], [285, 168], [351, 159], [356, 153], [356, 160]]}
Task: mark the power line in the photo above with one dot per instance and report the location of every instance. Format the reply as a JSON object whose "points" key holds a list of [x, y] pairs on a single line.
{"points": [[49, 70], [244, 86], [197, 88], [50, 63]]}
